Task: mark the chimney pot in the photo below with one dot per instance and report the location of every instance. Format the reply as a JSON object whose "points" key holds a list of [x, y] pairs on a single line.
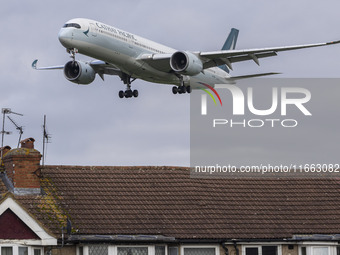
{"points": [[28, 143], [5, 149]]}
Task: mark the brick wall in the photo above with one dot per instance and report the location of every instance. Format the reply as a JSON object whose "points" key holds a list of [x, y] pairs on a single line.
{"points": [[22, 167], [66, 250]]}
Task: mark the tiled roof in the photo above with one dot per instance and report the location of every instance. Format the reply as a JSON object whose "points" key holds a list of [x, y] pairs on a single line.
{"points": [[166, 201], [3, 188]]}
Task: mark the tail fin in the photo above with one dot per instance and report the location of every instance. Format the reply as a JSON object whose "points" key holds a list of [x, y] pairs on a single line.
{"points": [[230, 44]]}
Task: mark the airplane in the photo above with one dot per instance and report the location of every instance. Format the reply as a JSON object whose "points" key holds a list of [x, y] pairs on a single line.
{"points": [[131, 57]]}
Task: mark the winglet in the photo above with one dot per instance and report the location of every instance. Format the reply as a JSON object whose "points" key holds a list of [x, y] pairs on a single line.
{"points": [[333, 42], [34, 64]]}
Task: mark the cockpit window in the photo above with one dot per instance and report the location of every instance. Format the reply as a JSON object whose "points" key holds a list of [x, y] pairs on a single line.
{"points": [[72, 25]]}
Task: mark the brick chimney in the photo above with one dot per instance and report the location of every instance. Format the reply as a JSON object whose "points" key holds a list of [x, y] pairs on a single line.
{"points": [[22, 166]]}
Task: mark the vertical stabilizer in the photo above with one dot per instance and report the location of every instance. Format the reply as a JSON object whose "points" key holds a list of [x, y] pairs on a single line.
{"points": [[230, 44]]}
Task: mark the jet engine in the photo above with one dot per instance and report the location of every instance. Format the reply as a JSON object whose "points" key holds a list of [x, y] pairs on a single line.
{"points": [[79, 72], [184, 62]]}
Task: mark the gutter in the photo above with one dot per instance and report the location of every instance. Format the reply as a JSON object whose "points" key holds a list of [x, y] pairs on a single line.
{"points": [[75, 239], [143, 239]]}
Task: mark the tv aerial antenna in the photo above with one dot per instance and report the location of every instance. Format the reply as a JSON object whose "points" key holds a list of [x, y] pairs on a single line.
{"points": [[19, 128], [46, 140], [3, 132]]}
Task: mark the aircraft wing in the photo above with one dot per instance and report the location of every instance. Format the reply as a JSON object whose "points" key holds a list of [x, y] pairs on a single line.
{"points": [[102, 68], [216, 58], [35, 63], [98, 66], [161, 62]]}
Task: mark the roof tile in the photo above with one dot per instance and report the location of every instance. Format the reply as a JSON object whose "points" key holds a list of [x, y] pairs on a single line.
{"points": [[166, 201]]}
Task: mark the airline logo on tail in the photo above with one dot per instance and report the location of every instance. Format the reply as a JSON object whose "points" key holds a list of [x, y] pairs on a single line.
{"points": [[230, 44]]}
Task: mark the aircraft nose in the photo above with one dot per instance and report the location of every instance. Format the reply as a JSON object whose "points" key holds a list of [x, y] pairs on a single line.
{"points": [[65, 37]]}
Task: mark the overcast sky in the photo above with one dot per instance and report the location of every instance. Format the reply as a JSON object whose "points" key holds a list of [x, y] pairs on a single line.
{"points": [[90, 125]]}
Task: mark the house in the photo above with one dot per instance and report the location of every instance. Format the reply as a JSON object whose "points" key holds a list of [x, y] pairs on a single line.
{"points": [[89, 210]]}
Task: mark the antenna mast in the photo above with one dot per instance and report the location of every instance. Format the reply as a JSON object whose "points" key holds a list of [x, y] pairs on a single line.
{"points": [[3, 132], [17, 128], [46, 139]]}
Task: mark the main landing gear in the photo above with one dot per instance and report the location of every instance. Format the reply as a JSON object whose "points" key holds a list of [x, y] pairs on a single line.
{"points": [[182, 89], [128, 92]]}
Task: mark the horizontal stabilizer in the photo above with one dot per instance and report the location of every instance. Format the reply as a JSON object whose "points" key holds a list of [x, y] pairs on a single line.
{"points": [[251, 76]]}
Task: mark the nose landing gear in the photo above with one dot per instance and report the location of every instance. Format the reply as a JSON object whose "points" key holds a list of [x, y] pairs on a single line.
{"points": [[73, 53]]}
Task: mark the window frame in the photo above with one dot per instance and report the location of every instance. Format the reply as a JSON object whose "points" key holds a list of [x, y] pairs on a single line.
{"points": [[259, 247], [150, 248], [113, 249], [22, 246], [174, 247], [310, 247], [8, 246], [217, 248], [15, 248], [38, 249]]}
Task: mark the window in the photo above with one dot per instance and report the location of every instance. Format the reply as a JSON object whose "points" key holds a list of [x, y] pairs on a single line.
{"points": [[320, 250], [262, 250], [269, 250], [81, 250], [199, 251], [15, 249], [72, 25], [23, 251], [174, 251], [252, 251], [6, 251], [132, 250], [159, 250], [98, 250], [37, 252], [316, 250]]}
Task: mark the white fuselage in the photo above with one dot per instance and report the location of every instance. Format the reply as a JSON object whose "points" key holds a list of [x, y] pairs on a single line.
{"points": [[124, 50]]}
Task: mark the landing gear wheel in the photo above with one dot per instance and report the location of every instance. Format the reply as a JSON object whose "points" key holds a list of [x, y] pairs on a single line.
{"points": [[182, 89], [128, 93], [127, 79], [121, 94], [174, 90], [188, 89]]}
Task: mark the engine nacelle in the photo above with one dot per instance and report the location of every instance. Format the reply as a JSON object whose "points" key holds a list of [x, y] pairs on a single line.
{"points": [[79, 72], [184, 62]]}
